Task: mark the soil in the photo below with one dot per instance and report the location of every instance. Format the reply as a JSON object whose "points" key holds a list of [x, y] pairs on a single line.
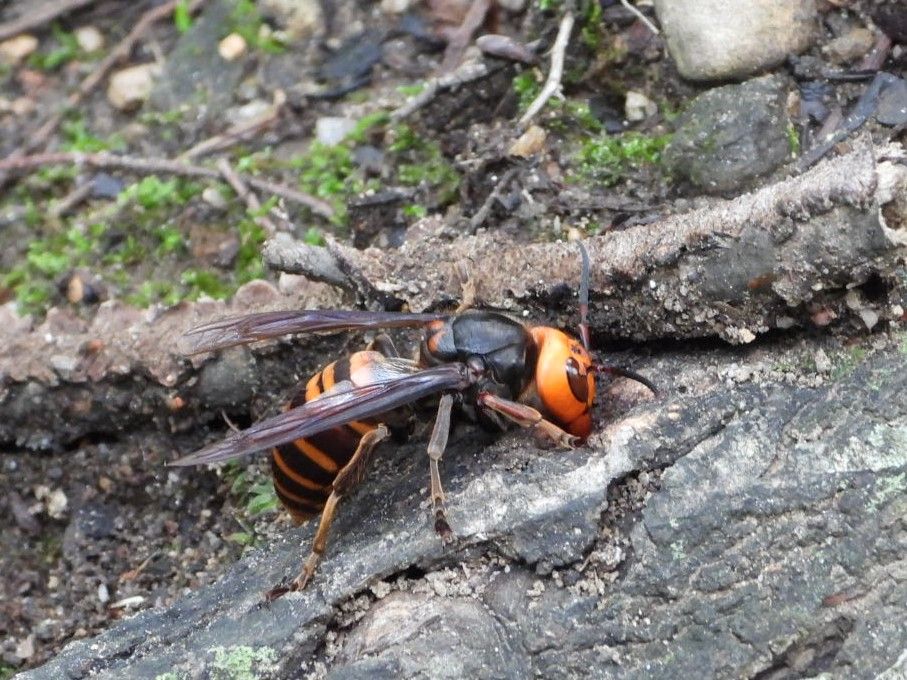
{"points": [[102, 529]]}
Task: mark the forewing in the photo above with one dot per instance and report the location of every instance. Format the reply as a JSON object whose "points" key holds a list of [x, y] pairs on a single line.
{"points": [[332, 410], [244, 329]]}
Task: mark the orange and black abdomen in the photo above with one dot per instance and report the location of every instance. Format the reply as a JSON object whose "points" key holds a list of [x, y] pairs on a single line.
{"points": [[305, 469]]}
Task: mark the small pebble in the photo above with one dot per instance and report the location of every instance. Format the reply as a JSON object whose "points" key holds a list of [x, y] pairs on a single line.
{"points": [[850, 46], [529, 143], [16, 49], [103, 593], [232, 47], [26, 648], [90, 39], [130, 87], [331, 130], [638, 107], [213, 197], [823, 363]]}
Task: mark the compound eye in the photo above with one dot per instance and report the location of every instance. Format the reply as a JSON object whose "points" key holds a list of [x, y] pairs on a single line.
{"points": [[578, 381]]}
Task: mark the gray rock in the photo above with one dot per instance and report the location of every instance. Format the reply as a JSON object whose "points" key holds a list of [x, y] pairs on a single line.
{"points": [[717, 40], [195, 76], [893, 104], [731, 135], [773, 545]]}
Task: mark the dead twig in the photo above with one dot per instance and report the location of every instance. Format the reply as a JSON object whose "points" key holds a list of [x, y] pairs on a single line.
{"points": [[238, 132], [553, 83], [462, 35], [44, 14], [465, 73], [148, 166], [252, 202], [477, 220], [284, 254], [639, 15]]}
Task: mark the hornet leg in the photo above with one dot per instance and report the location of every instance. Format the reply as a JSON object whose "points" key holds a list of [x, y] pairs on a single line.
{"points": [[383, 345], [526, 416], [348, 477], [436, 446]]}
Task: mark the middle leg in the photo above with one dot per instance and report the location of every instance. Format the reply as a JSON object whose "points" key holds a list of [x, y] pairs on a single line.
{"points": [[436, 446]]}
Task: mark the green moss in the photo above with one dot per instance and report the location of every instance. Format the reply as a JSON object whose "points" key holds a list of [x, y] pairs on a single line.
{"points": [[76, 137], [421, 162], [246, 20], [182, 20], [527, 85], [314, 236], [411, 90], [608, 159], [793, 139], [152, 193], [243, 662], [6, 671], [415, 211], [65, 49], [252, 490], [847, 361], [593, 28]]}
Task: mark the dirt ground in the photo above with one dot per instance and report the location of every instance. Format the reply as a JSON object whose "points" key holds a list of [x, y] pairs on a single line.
{"points": [[100, 529]]}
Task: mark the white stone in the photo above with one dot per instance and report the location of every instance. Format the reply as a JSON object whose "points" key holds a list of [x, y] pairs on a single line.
{"points": [[90, 39], [130, 87], [823, 363], [331, 130], [638, 107], [716, 39], [232, 47], [300, 18], [16, 49]]}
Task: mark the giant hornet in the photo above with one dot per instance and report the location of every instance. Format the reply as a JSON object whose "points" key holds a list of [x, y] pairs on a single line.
{"points": [[496, 368]]}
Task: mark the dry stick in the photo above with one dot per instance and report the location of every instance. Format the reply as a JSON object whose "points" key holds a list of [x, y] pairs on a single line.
{"points": [[48, 12], [462, 35], [252, 202], [165, 166], [121, 51], [465, 73], [553, 83], [239, 131], [642, 17]]}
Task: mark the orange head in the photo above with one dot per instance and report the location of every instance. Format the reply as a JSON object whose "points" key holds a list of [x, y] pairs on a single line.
{"points": [[564, 379]]}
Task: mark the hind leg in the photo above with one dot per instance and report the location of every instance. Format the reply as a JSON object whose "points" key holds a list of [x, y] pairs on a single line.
{"points": [[384, 346], [351, 474]]}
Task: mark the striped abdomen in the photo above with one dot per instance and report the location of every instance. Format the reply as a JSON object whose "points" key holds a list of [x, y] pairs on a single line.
{"points": [[305, 469]]}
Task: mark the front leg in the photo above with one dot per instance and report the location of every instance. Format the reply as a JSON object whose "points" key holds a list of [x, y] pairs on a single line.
{"points": [[526, 416]]}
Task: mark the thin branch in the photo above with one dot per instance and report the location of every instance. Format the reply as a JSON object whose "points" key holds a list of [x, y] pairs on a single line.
{"points": [[553, 83], [252, 202], [465, 73], [642, 17], [238, 132], [44, 14], [146, 166], [462, 35]]}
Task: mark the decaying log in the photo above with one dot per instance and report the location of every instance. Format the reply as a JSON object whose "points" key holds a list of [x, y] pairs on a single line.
{"points": [[66, 378], [796, 252], [793, 253]]}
